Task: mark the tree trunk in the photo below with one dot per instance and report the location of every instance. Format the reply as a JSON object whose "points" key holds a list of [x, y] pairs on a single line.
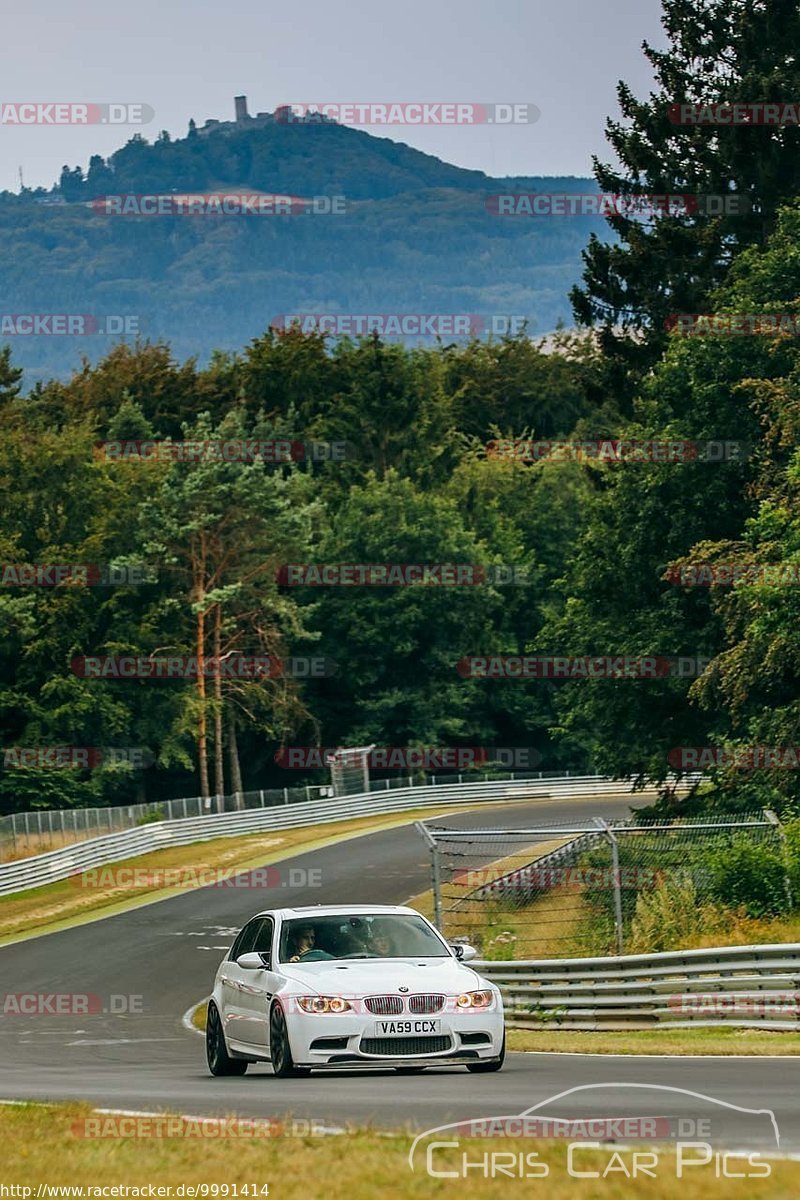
{"points": [[198, 574], [202, 738], [234, 766], [219, 766]]}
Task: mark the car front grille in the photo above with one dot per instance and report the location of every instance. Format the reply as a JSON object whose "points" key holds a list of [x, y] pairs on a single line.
{"points": [[425, 1003], [401, 1047], [384, 1006]]}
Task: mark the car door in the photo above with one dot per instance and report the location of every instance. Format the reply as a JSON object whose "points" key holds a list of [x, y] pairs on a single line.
{"points": [[258, 987], [236, 983]]}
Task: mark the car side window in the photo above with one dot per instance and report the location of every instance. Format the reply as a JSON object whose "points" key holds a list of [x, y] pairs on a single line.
{"points": [[244, 941], [262, 943]]}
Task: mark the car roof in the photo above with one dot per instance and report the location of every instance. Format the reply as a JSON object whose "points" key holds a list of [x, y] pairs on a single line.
{"points": [[333, 910]]}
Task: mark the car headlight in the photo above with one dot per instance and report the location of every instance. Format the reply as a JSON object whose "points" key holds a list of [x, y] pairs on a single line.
{"points": [[474, 1000], [324, 1004]]}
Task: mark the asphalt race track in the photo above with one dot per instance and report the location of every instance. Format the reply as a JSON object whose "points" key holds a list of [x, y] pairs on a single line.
{"points": [[167, 953]]}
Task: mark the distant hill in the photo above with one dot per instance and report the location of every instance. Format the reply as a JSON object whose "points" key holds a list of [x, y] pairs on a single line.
{"points": [[416, 236]]}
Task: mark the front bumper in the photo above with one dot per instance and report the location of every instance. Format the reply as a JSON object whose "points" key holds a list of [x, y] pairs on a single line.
{"points": [[352, 1040]]}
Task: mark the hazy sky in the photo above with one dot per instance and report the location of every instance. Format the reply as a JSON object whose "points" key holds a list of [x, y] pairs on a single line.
{"points": [[188, 58]]}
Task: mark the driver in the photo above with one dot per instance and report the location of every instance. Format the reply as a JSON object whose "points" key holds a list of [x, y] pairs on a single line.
{"points": [[304, 943]]}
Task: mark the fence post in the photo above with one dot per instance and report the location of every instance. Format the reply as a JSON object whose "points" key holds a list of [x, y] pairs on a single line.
{"points": [[615, 873], [286, 795], [261, 796], [431, 843], [775, 820]]}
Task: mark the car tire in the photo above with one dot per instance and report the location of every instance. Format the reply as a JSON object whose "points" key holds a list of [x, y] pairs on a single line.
{"points": [[491, 1064], [217, 1056], [280, 1051]]}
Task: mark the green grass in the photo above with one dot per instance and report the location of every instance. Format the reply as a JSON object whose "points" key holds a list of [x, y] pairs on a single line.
{"points": [[46, 1144], [670, 1042]]}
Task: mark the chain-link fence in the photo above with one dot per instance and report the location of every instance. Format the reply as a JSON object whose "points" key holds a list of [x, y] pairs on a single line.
{"points": [[574, 889]]}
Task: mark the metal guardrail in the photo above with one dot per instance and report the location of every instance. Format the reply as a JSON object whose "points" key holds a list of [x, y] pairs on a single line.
{"points": [[40, 830], [60, 864], [751, 986]]}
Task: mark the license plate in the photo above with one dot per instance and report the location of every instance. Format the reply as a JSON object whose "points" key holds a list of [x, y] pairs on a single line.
{"points": [[404, 1028]]}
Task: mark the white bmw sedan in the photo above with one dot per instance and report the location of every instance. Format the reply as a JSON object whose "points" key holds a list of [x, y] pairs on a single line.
{"points": [[355, 986]]}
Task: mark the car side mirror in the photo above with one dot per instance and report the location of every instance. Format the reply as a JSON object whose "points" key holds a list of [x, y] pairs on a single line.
{"points": [[253, 962], [464, 953]]}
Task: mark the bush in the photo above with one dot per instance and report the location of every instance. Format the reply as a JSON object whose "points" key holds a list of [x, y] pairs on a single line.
{"points": [[749, 875], [669, 915], [151, 817]]}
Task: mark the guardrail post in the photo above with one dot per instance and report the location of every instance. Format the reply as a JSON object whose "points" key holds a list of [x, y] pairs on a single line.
{"points": [[618, 929]]}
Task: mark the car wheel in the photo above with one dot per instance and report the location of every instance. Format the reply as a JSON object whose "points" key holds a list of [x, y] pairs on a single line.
{"points": [[219, 1061], [491, 1064], [280, 1051], [409, 1070]]}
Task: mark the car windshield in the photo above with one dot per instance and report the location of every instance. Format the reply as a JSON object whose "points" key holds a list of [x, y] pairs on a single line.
{"points": [[379, 935]]}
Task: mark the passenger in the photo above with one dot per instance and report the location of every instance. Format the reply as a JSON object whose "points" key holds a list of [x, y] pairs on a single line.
{"points": [[383, 943]]}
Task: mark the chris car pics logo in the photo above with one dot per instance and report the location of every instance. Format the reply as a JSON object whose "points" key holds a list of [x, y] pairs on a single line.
{"points": [[637, 1130]]}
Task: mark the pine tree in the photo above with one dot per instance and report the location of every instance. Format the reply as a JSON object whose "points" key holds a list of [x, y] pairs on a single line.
{"points": [[720, 51], [9, 376]]}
